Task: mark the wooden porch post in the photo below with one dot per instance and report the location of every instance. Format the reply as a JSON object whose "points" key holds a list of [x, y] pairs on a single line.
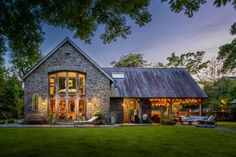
{"points": [[77, 97], [56, 97], [170, 107], [200, 108], [67, 91]]}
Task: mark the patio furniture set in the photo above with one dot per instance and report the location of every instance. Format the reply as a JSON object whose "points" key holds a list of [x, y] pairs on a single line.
{"points": [[198, 120]]}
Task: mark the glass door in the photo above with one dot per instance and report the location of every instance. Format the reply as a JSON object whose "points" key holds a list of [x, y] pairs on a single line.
{"points": [[62, 109], [71, 109]]}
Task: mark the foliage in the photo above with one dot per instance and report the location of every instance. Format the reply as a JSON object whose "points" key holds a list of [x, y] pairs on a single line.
{"points": [[193, 62], [98, 113], [22, 63], [191, 6], [130, 60], [169, 120], [51, 118], [233, 29], [11, 96], [212, 72], [10, 121], [221, 92], [21, 21], [227, 53]]}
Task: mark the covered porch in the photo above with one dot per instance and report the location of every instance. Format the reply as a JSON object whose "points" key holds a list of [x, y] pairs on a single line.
{"points": [[149, 110]]}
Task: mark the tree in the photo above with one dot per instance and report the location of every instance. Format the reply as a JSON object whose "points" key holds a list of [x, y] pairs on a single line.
{"points": [[193, 62], [227, 53], [191, 6], [11, 96], [212, 72], [130, 60], [22, 63], [233, 29], [221, 92], [21, 22]]}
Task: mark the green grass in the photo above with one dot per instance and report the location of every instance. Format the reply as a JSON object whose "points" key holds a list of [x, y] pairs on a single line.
{"points": [[158, 141], [229, 125]]}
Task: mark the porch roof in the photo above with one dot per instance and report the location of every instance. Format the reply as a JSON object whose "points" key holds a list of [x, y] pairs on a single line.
{"points": [[154, 83]]}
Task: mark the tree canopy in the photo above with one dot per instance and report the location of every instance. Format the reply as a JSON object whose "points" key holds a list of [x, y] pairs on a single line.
{"points": [[193, 62], [227, 53], [130, 60], [21, 22]]}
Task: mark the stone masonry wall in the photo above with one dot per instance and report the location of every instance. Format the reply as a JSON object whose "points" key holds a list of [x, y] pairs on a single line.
{"points": [[68, 58], [116, 107]]}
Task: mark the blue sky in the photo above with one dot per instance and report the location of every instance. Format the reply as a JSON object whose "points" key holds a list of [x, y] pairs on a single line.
{"points": [[167, 32]]}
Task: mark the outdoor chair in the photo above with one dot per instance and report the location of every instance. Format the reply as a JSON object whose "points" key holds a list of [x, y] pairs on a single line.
{"points": [[184, 119], [210, 121], [90, 121]]}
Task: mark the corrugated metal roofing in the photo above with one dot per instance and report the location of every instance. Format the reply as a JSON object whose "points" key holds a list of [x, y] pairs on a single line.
{"points": [[155, 83]]}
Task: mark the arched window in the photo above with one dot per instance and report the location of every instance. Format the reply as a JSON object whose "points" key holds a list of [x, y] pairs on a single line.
{"points": [[35, 102]]}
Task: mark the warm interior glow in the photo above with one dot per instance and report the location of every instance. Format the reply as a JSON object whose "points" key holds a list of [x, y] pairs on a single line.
{"points": [[82, 84], [62, 109], [81, 109], [52, 84]]}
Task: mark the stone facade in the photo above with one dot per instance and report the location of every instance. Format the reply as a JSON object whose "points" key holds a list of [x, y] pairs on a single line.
{"points": [[68, 58], [116, 107]]}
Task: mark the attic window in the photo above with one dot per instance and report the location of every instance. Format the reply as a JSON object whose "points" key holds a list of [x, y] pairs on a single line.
{"points": [[118, 75]]}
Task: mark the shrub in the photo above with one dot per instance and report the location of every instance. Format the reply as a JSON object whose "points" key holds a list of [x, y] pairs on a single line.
{"points": [[51, 119], [170, 120], [99, 114], [2, 122], [11, 121]]}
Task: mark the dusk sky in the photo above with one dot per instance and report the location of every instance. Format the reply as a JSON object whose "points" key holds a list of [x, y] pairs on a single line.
{"points": [[167, 32]]}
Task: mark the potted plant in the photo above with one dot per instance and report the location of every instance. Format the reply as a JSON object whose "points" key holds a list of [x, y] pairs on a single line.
{"points": [[99, 114]]}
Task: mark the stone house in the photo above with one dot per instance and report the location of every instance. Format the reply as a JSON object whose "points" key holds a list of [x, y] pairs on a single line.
{"points": [[69, 85]]}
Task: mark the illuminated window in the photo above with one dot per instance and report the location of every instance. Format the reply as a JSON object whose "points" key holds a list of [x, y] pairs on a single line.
{"points": [[62, 109], [72, 83], [81, 84], [71, 105], [52, 106], [62, 83], [81, 109], [52, 84]]}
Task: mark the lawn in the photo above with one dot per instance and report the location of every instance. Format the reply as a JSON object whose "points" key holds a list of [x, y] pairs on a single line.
{"points": [[158, 141], [229, 125]]}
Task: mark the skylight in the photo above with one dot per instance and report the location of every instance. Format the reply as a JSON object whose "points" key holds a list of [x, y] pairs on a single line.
{"points": [[118, 75]]}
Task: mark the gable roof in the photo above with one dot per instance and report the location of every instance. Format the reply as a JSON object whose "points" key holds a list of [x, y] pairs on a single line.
{"points": [[154, 83], [56, 48]]}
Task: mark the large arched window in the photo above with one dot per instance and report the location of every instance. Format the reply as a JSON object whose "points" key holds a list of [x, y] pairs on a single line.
{"points": [[66, 83]]}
